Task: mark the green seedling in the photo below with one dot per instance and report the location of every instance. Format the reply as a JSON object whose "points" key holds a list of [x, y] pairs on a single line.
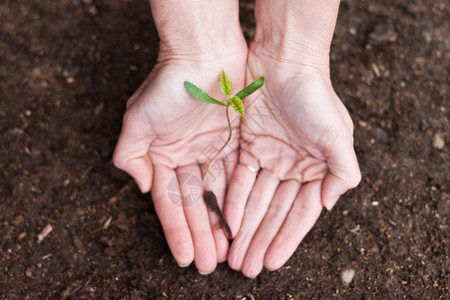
{"points": [[235, 102]]}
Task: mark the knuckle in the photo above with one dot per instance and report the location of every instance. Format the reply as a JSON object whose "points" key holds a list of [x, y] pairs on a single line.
{"points": [[306, 212], [240, 178], [277, 211]]}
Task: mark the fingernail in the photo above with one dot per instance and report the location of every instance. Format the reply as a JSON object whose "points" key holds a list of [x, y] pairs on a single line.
{"points": [[205, 273], [183, 266], [331, 203]]}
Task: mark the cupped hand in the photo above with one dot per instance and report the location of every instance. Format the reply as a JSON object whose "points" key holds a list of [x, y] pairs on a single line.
{"points": [[299, 136], [166, 139]]}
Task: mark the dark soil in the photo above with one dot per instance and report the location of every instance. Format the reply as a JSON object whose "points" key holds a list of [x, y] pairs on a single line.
{"points": [[66, 70]]}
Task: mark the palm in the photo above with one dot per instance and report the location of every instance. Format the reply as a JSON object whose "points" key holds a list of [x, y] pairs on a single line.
{"points": [[178, 127], [293, 132], [281, 142], [167, 136]]}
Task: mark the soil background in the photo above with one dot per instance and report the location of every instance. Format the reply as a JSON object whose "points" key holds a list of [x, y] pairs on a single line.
{"points": [[67, 68]]}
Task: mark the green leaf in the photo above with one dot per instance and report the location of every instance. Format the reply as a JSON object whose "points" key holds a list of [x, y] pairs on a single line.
{"points": [[201, 95], [251, 88], [225, 84], [238, 106]]}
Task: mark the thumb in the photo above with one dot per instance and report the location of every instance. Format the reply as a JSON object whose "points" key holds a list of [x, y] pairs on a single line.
{"points": [[343, 173], [131, 153]]}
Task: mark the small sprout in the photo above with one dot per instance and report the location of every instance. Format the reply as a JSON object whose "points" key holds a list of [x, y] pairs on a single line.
{"points": [[236, 102], [227, 88], [225, 84], [201, 95]]}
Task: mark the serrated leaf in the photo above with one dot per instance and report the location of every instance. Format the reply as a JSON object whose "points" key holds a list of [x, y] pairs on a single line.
{"points": [[225, 84], [201, 95], [251, 88], [238, 106]]}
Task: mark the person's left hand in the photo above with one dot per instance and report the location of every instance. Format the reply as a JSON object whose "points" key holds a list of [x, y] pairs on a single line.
{"points": [[300, 136]]}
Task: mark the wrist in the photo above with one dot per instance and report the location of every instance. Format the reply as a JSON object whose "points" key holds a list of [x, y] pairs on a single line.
{"points": [[296, 32], [302, 59], [197, 29], [202, 49]]}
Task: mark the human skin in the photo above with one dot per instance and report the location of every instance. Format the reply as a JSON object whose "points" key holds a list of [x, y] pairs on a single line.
{"points": [[297, 129], [165, 130], [297, 132]]}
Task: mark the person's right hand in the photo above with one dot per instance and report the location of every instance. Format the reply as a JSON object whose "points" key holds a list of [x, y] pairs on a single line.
{"points": [[167, 133]]}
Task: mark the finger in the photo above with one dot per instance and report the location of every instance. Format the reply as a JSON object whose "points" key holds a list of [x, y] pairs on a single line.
{"points": [[343, 173], [272, 222], [196, 213], [131, 153], [171, 215], [256, 208], [302, 216], [239, 189], [217, 183]]}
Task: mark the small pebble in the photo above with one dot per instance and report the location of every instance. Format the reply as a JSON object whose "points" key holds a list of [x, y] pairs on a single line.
{"points": [[46, 231], [245, 297], [17, 221], [347, 276], [438, 141], [383, 33], [112, 201], [362, 123], [352, 31], [20, 236], [375, 203]]}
